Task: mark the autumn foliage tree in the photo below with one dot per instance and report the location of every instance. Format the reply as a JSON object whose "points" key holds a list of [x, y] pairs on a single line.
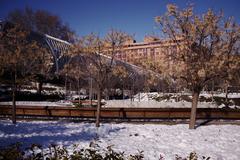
{"points": [[207, 48], [41, 21], [21, 58]]}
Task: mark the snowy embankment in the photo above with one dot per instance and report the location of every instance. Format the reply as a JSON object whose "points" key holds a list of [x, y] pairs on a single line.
{"points": [[121, 103], [148, 100], [220, 142], [40, 103], [155, 104]]}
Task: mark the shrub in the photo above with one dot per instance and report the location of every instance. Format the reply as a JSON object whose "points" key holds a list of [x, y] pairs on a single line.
{"points": [[12, 152], [192, 156], [55, 152]]}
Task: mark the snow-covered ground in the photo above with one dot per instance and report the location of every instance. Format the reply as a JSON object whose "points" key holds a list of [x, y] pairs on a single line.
{"points": [[155, 104], [40, 103], [125, 104], [145, 100], [148, 96], [220, 142], [223, 95], [120, 103]]}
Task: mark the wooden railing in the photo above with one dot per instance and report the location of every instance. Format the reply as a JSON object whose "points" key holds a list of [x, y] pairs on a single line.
{"points": [[123, 113]]}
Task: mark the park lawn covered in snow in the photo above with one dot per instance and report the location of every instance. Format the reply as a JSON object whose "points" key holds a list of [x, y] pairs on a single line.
{"points": [[221, 142]]}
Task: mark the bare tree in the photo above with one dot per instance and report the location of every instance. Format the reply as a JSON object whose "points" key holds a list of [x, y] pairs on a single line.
{"points": [[21, 58], [206, 47], [100, 55], [76, 64], [120, 76]]}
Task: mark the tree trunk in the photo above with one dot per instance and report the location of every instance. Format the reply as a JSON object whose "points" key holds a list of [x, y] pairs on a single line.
{"points": [[193, 110], [65, 87], [139, 96], [79, 96], [123, 91], [132, 93], [70, 89], [98, 107], [14, 99], [39, 89], [213, 91], [90, 92], [107, 94], [226, 95]]}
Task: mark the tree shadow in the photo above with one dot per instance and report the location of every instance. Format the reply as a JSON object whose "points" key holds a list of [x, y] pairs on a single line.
{"points": [[203, 123], [66, 133]]}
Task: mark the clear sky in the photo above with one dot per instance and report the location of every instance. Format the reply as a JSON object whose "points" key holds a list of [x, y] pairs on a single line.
{"points": [[132, 16]]}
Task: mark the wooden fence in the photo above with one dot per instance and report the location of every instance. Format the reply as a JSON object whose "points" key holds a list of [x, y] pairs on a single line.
{"points": [[123, 113]]}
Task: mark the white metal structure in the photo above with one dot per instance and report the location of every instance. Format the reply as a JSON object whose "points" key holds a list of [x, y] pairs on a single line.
{"points": [[58, 48]]}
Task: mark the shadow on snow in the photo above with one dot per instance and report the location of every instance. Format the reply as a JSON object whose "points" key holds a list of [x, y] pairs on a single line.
{"points": [[46, 133]]}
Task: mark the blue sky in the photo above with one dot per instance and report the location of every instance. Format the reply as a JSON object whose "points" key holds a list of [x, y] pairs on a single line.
{"points": [[132, 16]]}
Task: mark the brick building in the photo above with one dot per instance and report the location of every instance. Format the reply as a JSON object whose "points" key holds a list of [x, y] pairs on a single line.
{"points": [[151, 48]]}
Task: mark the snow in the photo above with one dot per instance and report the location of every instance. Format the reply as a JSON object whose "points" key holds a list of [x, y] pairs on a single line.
{"points": [[61, 103], [146, 100], [217, 141], [121, 103], [148, 96], [154, 104], [125, 104], [231, 95]]}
